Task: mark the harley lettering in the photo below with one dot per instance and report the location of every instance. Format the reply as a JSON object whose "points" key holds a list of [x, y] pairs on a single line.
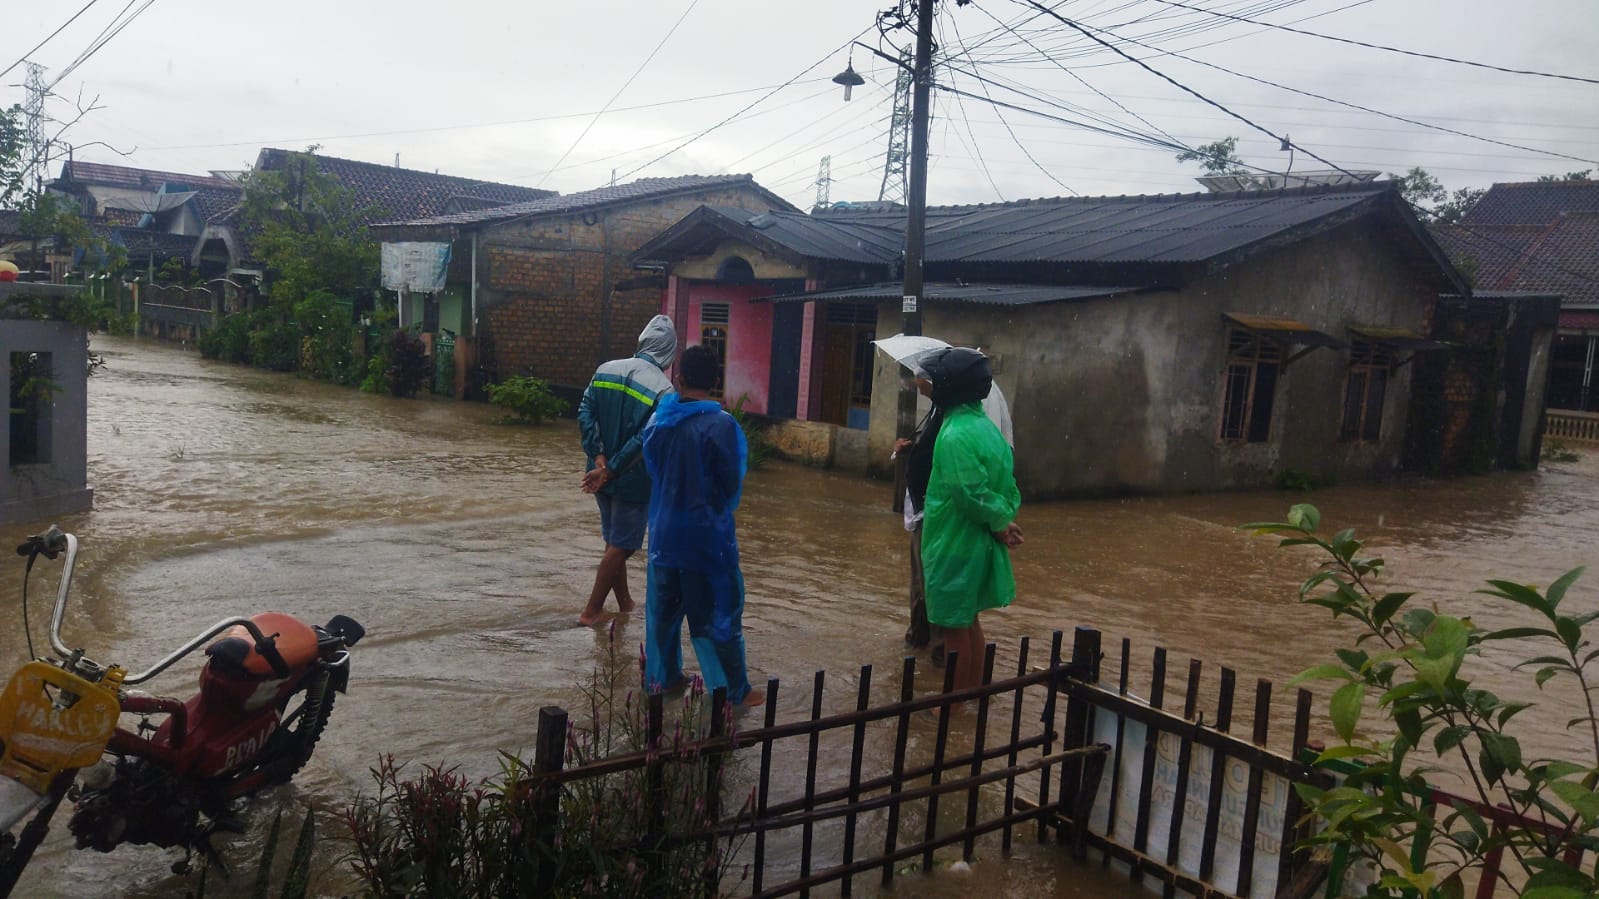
{"points": [[48, 721], [246, 749]]}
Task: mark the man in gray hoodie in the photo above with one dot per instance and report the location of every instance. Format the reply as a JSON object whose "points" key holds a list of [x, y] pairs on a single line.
{"points": [[618, 402]]}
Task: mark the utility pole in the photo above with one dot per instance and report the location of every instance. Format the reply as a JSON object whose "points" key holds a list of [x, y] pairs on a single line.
{"points": [[916, 203]]}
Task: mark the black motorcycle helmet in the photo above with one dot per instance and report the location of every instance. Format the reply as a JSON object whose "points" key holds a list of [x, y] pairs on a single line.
{"points": [[959, 376]]}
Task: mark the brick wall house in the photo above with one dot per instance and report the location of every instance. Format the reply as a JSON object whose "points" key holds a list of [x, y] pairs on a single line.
{"points": [[548, 285]]}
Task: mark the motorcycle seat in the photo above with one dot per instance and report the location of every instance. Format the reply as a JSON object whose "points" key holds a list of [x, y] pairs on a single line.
{"points": [[296, 641]]}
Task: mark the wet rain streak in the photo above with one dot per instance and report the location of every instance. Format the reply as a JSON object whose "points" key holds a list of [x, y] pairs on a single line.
{"points": [[466, 549]]}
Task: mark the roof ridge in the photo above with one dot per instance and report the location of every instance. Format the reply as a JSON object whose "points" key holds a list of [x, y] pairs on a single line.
{"points": [[383, 166]]}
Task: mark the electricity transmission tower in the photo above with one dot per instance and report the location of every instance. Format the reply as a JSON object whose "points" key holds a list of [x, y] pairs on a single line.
{"points": [[899, 136], [33, 114], [824, 182]]}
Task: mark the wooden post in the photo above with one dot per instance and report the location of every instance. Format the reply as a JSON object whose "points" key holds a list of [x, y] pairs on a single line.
{"points": [[713, 786], [1074, 735], [1218, 776], [1185, 757], [1049, 733], [863, 699], [940, 744], [978, 742], [654, 774], [1146, 783], [1246, 841], [1015, 737], [907, 692], [808, 829], [763, 787], [549, 754]]}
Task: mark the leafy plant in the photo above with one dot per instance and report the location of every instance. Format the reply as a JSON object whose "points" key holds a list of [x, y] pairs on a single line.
{"points": [[408, 367], [296, 877], [526, 399], [1303, 481], [1558, 451], [440, 834], [760, 448], [1410, 668]]}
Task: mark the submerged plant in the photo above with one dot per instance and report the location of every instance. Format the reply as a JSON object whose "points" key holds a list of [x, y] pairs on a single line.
{"points": [[440, 834]]}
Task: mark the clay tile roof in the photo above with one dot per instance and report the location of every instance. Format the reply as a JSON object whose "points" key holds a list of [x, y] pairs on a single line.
{"points": [[393, 193], [126, 176], [1533, 202], [1561, 257], [642, 189]]}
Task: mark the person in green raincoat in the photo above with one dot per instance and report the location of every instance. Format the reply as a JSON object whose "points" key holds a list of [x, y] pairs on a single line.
{"points": [[970, 524]]}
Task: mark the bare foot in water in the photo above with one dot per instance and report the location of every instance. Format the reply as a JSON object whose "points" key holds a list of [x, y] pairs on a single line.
{"points": [[591, 617], [625, 604], [754, 698]]}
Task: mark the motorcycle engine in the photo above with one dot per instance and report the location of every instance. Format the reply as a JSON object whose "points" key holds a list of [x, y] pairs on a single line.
{"points": [[139, 803]]}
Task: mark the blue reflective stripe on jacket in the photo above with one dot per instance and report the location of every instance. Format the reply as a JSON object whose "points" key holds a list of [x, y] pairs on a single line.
{"points": [[611, 418]]}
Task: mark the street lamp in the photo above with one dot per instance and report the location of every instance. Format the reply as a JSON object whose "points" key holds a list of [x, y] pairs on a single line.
{"points": [[849, 78]]}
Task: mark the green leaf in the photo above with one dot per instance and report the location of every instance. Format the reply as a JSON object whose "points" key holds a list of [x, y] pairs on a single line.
{"points": [[1557, 590], [1418, 620], [1582, 800], [1520, 593], [1304, 516], [1449, 738], [1435, 672], [1505, 749], [1570, 632], [1327, 671], [1516, 633], [1492, 768], [1387, 606], [1408, 720], [1336, 753], [1510, 709], [1452, 887], [1344, 709], [1543, 675]]}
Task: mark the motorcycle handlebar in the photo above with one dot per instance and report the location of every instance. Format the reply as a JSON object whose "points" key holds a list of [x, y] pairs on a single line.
{"points": [[54, 541]]}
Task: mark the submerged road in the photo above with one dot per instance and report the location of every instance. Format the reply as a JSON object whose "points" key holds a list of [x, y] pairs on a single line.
{"points": [[466, 549]]}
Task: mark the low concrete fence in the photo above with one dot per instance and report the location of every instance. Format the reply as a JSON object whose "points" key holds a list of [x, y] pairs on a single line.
{"points": [[1580, 427]]}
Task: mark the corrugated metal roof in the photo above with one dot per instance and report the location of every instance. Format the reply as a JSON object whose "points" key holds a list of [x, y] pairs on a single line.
{"points": [[1182, 228], [844, 241], [991, 294]]}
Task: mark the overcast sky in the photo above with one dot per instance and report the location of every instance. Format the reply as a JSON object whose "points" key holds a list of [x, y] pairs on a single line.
{"points": [[502, 90]]}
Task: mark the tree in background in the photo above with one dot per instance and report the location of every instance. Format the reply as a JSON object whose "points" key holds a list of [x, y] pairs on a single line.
{"points": [[1584, 175], [1216, 158], [1433, 203], [321, 266]]}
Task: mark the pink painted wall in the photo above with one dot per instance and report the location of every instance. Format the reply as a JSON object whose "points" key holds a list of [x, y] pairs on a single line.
{"points": [[749, 333]]}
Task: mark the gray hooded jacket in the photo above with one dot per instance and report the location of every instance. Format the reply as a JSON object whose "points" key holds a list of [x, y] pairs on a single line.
{"points": [[618, 402]]}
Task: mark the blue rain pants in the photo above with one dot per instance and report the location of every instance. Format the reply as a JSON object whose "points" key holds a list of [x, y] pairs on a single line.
{"points": [[713, 604]]}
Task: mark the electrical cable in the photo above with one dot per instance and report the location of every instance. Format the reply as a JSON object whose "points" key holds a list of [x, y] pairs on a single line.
{"points": [[24, 57], [762, 99], [625, 85], [1370, 46], [1178, 84], [1355, 106], [107, 34], [973, 149]]}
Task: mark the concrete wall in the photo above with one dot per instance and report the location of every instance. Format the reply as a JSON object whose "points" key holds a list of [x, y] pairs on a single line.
{"points": [[36, 492], [546, 296], [1124, 395]]}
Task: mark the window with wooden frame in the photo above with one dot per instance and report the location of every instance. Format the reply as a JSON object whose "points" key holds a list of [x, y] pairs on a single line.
{"points": [[1249, 385], [713, 336], [1371, 366], [861, 320]]}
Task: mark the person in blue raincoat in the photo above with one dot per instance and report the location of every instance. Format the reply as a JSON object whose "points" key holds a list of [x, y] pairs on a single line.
{"points": [[696, 457]]}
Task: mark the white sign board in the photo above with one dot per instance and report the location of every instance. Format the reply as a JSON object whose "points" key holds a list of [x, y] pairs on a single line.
{"points": [[415, 265], [1163, 797]]}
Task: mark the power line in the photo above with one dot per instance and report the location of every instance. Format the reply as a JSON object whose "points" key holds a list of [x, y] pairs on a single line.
{"points": [[105, 37], [47, 40], [625, 85], [1370, 46], [1178, 84], [1344, 103], [974, 149], [762, 99]]}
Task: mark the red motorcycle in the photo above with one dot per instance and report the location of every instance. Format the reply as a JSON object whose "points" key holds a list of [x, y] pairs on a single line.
{"points": [[178, 775]]}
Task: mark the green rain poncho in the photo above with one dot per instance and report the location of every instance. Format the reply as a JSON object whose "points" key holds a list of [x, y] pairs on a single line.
{"points": [[971, 494]]}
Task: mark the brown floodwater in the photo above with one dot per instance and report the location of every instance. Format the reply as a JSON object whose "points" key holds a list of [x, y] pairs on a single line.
{"points": [[466, 549]]}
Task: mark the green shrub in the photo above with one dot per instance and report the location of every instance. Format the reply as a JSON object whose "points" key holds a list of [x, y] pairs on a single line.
{"points": [[760, 448], [526, 400], [229, 341], [408, 367], [1411, 668], [440, 834]]}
